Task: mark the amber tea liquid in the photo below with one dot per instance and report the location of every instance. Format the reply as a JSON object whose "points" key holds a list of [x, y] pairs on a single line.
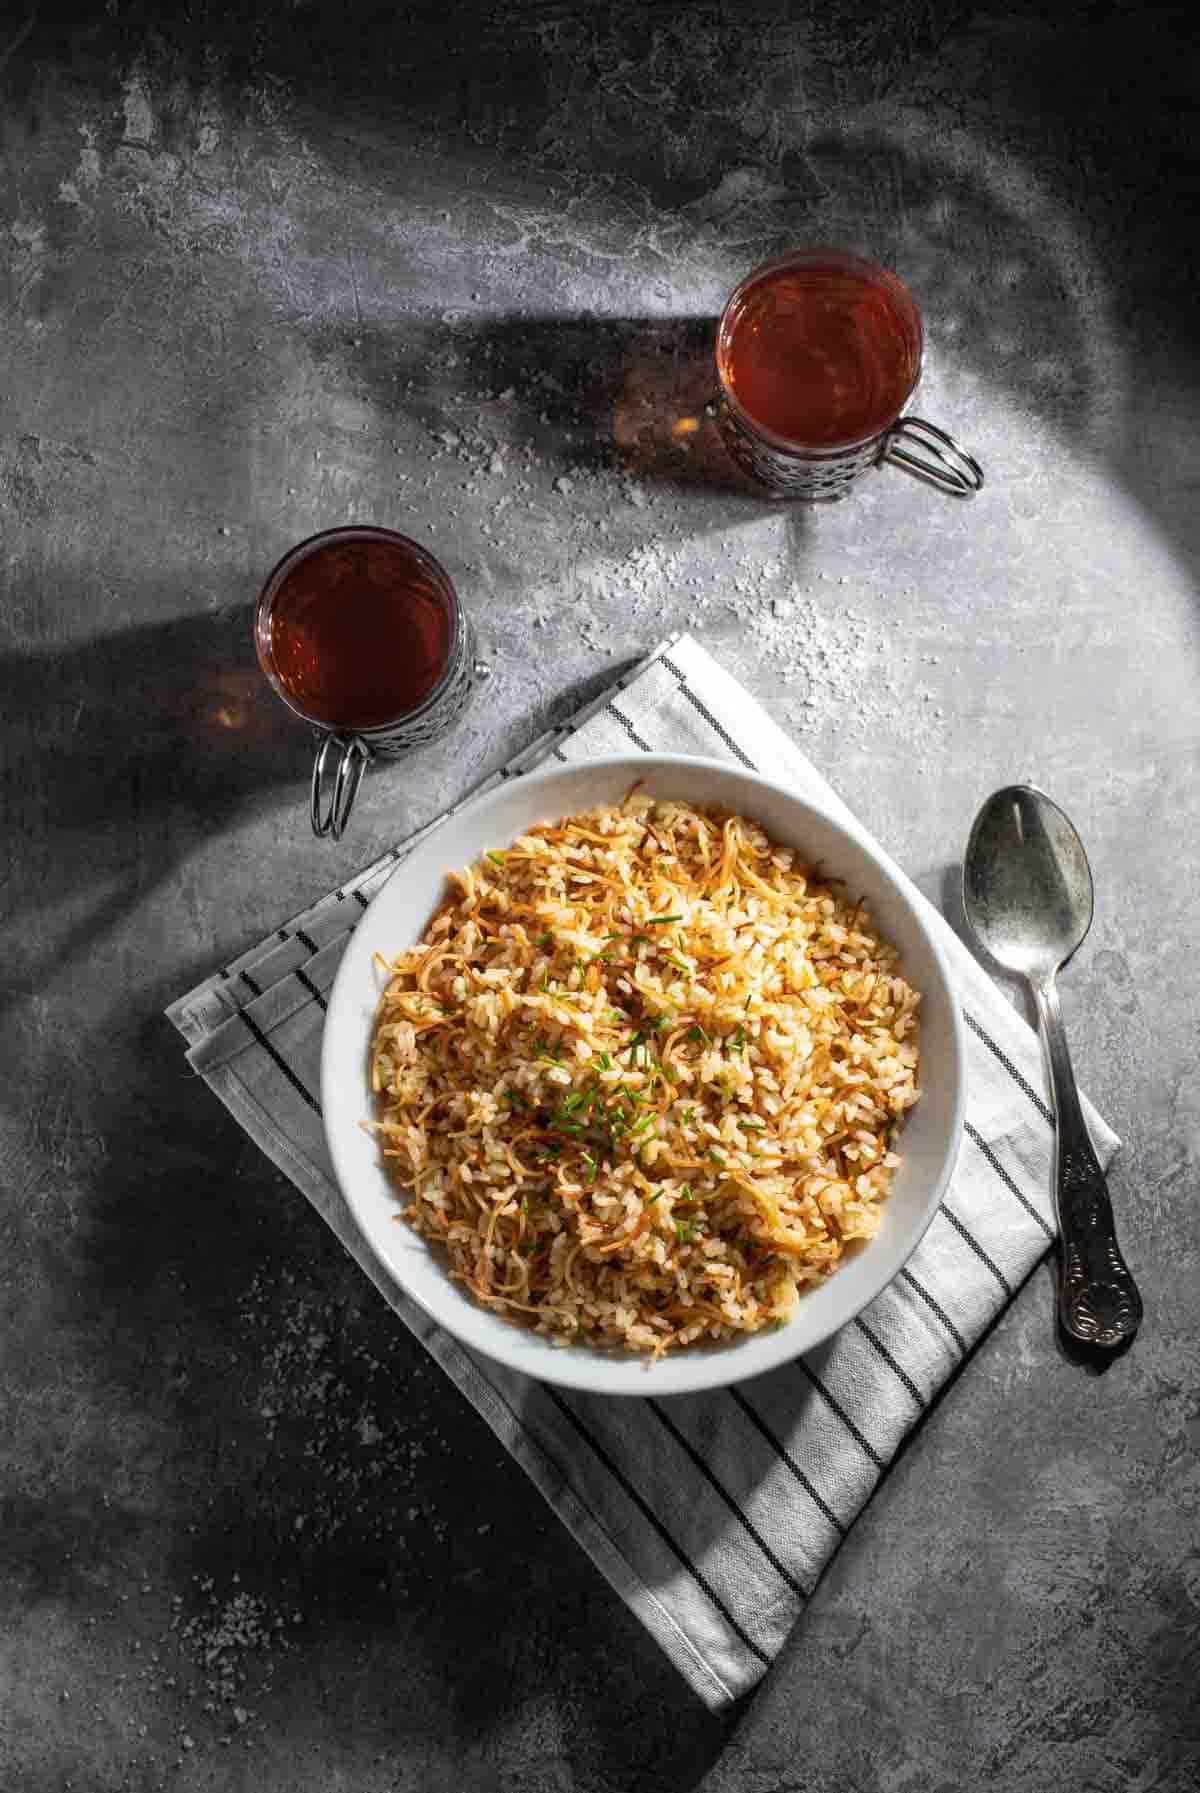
{"points": [[361, 630], [820, 355]]}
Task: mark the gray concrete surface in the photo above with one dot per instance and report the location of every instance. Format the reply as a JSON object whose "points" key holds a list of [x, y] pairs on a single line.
{"points": [[452, 269]]}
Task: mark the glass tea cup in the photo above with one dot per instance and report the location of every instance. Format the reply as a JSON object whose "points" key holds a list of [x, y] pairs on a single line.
{"points": [[818, 353], [360, 632]]}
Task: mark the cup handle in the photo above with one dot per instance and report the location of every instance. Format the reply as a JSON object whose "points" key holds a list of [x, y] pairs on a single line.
{"points": [[928, 453], [330, 817]]}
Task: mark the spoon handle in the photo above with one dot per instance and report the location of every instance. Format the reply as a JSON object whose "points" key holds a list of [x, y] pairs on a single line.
{"points": [[1097, 1297]]}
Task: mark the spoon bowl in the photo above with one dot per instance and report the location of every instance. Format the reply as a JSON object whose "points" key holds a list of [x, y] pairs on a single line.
{"points": [[1027, 885]]}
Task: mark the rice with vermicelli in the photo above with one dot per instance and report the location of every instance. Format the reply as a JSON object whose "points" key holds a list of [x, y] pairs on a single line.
{"points": [[641, 1077]]}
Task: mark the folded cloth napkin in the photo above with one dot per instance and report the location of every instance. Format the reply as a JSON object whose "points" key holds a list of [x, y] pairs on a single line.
{"points": [[712, 1515]]}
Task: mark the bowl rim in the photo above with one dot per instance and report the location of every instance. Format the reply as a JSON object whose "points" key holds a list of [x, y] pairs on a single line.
{"points": [[592, 1370]]}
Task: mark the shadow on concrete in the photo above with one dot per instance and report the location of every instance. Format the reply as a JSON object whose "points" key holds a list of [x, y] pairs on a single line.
{"points": [[168, 726], [619, 393]]}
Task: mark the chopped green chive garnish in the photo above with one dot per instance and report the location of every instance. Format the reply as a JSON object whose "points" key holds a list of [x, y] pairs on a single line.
{"points": [[688, 1116], [496, 858], [658, 921], [679, 965], [757, 1125], [605, 1062], [592, 1166], [696, 1032], [545, 940]]}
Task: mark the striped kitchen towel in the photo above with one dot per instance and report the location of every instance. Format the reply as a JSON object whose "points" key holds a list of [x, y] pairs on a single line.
{"points": [[712, 1515]]}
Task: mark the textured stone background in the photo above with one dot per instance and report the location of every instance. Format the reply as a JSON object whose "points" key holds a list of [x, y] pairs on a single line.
{"points": [[270, 268]]}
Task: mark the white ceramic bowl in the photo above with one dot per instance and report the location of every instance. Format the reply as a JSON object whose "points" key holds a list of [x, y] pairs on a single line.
{"points": [[396, 919]]}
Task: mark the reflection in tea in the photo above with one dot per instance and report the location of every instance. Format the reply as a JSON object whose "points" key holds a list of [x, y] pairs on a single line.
{"points": [[818, 354]]}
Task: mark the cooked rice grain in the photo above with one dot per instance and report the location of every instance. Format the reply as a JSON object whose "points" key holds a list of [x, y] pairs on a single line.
{"points": [[641, 1078]]}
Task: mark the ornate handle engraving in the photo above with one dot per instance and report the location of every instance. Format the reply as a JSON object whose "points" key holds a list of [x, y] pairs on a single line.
{"points": [[1097, 1297]]}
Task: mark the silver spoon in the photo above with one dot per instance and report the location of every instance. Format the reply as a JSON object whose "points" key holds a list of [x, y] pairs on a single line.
{"points": [[1027, 893]]}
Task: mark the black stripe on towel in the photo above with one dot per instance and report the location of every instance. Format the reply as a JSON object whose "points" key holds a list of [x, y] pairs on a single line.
{"points": [[836, 1407], [246, 978], [936, 1308], [278, 1058], [977, 1248], [1004, 1177], [653, 1519], [306, 940], [619, 717], [738, 1512], [1003, 1058], [302, 976], [785, 1457], [703, 710], [901, 1374]]}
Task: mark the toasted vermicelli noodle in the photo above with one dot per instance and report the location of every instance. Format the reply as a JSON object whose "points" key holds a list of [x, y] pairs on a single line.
{"points": [[641, 1076]]}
